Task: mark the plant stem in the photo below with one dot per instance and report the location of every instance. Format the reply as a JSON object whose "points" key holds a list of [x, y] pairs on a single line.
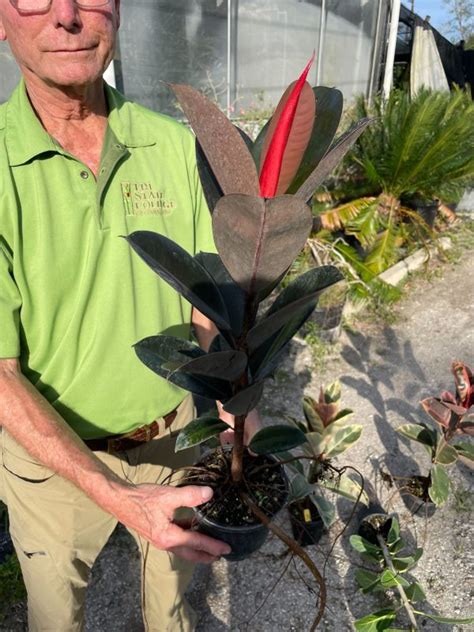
{"points": [[238, 451], [401, 591]]}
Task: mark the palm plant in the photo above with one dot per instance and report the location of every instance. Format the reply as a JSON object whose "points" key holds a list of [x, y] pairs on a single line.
{"points": [[417, 149]]}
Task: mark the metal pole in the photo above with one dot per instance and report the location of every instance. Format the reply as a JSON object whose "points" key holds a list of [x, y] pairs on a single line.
{"points": [[322, 30], [392, 44], [375, 53], [229, 52]]}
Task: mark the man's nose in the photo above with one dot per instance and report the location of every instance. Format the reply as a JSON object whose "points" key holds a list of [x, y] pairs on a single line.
{"points": [[65, 14]]}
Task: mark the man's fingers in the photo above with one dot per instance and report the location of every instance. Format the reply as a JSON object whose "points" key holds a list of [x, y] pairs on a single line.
{"points": [[193, 556], [187, 496], [198, 541]]}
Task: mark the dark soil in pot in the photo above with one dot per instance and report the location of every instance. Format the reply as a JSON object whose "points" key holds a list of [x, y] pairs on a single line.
{"points": [[414, 493], [306, 523], [373, 525], [226, 517]]}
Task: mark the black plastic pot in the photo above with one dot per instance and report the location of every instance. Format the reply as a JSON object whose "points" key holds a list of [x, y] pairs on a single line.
{"points": [[427, 210], [306, 523], [416, 505], [375, 524], [243, 539]]}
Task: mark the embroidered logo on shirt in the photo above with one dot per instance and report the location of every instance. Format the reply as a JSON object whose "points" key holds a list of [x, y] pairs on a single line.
{"points": [[141, 198]]}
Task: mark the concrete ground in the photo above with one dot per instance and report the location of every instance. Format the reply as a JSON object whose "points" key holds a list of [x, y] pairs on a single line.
{"points": [[385, 369]]}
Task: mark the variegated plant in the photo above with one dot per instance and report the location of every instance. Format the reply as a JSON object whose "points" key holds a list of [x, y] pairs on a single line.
{"points": [[328, 434], [258, 193], [454, 415]]}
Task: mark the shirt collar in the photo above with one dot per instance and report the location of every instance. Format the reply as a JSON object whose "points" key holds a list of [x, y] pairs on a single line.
{"points": [[26, 138]]}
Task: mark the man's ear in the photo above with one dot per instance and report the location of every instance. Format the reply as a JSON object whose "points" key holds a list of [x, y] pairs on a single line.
{"points": [[3, 35]]}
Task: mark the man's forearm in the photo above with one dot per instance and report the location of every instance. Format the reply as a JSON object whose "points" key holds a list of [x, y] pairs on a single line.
{"points": [[39, 428]]}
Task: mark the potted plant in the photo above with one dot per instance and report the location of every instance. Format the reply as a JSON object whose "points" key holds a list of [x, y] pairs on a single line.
{"points": [[379, 542], [454, 416], [258, 230], [327, 435], [418, 151]]}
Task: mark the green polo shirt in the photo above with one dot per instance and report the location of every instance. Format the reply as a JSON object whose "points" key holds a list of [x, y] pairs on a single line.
{"points": [[74, 297]]}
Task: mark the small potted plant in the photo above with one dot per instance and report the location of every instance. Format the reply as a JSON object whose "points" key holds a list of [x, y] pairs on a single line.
{"points": [[379, 542], [259, 229], [453, 416], [327, 435]]}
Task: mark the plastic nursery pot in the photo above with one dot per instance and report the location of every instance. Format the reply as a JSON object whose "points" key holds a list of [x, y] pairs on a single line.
{"points": [[306, 523], [244, 539], [373, 525], [414, 493], [329, 322]]}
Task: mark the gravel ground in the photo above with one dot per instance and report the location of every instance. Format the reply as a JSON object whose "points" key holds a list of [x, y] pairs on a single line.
{"points": [[385, 370]]}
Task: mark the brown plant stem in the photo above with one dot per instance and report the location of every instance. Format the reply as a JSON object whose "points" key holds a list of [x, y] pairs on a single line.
{"points": [[297, 550], [401, 592], [238, 450]]}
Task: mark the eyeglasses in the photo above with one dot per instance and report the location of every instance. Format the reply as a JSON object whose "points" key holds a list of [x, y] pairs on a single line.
{"points": [[41, 6]]}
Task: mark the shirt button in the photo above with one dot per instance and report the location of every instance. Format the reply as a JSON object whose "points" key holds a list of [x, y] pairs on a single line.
{"points": [[84, 174]]}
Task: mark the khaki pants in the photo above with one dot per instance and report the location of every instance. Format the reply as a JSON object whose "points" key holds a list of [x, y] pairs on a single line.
{"points": [[58, 533]]}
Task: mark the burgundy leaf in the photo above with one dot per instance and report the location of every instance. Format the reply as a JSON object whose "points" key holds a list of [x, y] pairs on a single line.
{"points": [[437, 410], [299, 135], [258, 239], [223, 146], [330, 161]]}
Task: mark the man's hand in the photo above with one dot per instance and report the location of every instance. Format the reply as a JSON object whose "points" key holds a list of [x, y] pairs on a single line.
{"points": [[149, 510], [253, 424]]}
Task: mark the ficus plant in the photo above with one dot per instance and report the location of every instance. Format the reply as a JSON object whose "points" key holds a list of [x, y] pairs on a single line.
{"points": [[380, 543], [453, 414], [328, 434], [258, 194]]}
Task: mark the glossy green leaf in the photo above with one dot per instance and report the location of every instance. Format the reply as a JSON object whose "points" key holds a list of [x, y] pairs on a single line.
{"points": [[346, 487], [294, 300], [300, 488], [361, 545], [225, 365], [453, 620], [447, 455], [175, 266], [403, 564], [415, 592], [259, 238], [157, 351], [342, 440], [376, 622], [226, 151], [389, 579], [246, 400], [329, 103], [465, 449], [331, 160], [198, 431], [439, 488], [276, 439], [394, 533], [419, 432], [367, 580], [233, 295], [325, 508], [295, 465]]}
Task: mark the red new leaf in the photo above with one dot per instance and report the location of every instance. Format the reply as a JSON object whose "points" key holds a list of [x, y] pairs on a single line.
{"points": [[288, 136]]}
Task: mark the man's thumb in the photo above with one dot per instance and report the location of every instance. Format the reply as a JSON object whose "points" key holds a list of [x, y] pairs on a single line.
{"points": [[193, 495]]}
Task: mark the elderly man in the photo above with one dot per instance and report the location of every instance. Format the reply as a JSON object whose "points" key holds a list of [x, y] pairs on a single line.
{"points": [[88, 430]]}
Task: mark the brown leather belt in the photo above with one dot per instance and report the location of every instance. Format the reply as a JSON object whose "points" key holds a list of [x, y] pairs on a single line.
{"points": [[119, 443]]}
